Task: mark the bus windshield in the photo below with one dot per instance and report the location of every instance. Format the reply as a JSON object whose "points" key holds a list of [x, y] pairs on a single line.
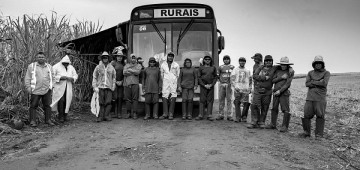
{"points": [[195, 41]]}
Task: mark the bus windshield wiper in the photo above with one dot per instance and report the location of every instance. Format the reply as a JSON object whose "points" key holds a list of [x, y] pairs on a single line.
{"points": [[182, 34], [160, 35]]}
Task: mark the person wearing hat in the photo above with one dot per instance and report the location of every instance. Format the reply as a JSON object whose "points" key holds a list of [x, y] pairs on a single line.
{"points": [[104, 79], [258, 59], [188, 82], [282, 81], [131, 86], [207, 80], [170, 71], [225, 90], [151, 88], [64, 77], [316, 81], [242, 84], [39, 83], [262, 93], [118, 95]]}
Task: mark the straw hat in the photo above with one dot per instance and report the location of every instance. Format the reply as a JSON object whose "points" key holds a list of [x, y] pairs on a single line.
{"points": [[285, 61], [318, 59], [104, 55]]}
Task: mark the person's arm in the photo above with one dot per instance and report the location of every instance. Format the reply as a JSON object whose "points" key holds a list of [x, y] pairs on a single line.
{"points": [[201, 83], [57, 76], [196, 78], [323, 82], [160, 81], [233, 77], [126, 71], [215, 77], [144, 80], [308, 81], [136, 70], [287, 83], [258, 77], [74, 75], [180, 78], [95, 77], [27, 78], [276, 78], [113, 79]]}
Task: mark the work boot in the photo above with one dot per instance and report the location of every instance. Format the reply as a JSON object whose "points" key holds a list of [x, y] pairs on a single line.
{"points": [[245, 112], [286, 121], [165, 108], [156, 110], [319, 127], [201, 112], [183, 109], [274, 116], [100, 115], [147, 111], [306, 123], [107, 116], [128, 114], [48, 118], [134, 115], [252, 126], [172, 108], [189, 109]]}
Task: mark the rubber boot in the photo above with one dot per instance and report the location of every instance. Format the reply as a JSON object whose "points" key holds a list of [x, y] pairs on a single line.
{"points": [[306, 123], [33, 117], [128, 110], [48, 119], [237, 111], [156, 110], [172, 108], [165, 108], [107, 112], [134, 108], [183, 109], [319, 127], [286, 121], [100, 115], [119, 109], [274, 116], [201, 112], [209, 111], [147, 111], [113, 105], [189, 109], [245, 112]]}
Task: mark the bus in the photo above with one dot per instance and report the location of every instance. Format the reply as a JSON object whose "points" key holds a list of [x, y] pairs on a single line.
{"points": [[187, 29]]}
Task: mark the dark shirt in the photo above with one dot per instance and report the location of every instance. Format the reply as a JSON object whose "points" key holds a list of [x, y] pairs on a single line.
{"points": [[188, 78], [282, 84], [119, 68], [317, 82], [224, 73], [152, 80], [261, 85], [207, 75]]}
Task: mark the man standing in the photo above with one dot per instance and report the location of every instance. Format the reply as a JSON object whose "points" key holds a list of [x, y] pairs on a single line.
{"points": [[39, 83], [242, 84], [131, 86], [170, 72], [316, 81], [64, 77], [262, 93], [282, 81], [225, 91], [104, 78]]}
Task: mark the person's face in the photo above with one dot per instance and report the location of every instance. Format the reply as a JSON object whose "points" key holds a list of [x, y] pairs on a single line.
{"points": [[40, 58], [318, 66], [283, 66], [268, 63], [133, 60], [105, 60], [207, 61], [119, 58], [187, 63], [242, 63], [226, 61], [170, 58], [256, 60], [152, 63]]}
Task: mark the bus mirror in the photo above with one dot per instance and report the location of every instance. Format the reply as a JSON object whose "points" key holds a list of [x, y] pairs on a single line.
{"points": [[221, 42], [119, 35]]}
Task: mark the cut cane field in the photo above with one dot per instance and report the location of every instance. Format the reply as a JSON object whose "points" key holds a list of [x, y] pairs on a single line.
{"points": [[81, 143]]}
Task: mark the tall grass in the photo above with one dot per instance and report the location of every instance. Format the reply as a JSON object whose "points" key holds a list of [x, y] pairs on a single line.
{"points": [[22, 37]]}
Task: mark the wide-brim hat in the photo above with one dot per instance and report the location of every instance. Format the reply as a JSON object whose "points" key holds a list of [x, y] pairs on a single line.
{"points": [[318, 59], [104, 55], [285, 61]]}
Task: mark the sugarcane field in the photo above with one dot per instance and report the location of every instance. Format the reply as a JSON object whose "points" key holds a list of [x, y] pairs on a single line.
{"points": [[160, 90]]}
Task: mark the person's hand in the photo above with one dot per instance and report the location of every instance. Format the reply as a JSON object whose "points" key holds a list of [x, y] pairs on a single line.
{"points": [[63, 78], [285, 76], [70, 79], [96, 90], [267, 77], [277, 93]]}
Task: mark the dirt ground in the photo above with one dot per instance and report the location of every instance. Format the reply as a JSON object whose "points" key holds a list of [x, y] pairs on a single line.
{"points": [[82, 143]]}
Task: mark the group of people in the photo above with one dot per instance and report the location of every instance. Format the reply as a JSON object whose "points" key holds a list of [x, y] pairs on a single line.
{"points": [[120, 79]]}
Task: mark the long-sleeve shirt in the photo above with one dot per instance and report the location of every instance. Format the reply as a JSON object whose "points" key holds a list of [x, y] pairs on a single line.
{"points": [[241, 80], [224, 72], [282, 84], [260, 81], [119, 68], [152, 80], [42, 74], [207, 75], [317, 81], [104, 77], [131, 73], [188, 78]]}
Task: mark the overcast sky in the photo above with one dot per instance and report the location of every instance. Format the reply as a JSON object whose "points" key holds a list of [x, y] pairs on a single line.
{"points": [[299, 29]]}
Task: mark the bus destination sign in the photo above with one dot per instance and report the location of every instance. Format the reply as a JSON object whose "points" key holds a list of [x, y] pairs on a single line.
{"points": [[179, 12]]}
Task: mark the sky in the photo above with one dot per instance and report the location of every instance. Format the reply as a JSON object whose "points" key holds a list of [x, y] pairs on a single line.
{"points": [[298, 29]]}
